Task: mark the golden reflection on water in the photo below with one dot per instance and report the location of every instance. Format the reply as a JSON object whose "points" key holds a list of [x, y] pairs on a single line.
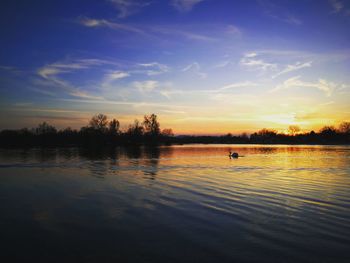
{"points": [[279, 198]]}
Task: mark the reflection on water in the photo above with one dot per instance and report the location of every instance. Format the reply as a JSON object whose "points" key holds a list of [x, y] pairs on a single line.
{"points": [[176, 204]]}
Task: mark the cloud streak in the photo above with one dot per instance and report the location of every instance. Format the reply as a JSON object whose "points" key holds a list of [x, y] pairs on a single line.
{"points": [[277, 12], [146, 86], [62, 67], [295, 82], [293, 67], [250, 60], [150, 31], [337, 6], [115, 75], [154, 68], [128, 7], [195, 68], [185, 5], [51, 72], [91, 22], [238, 85]]}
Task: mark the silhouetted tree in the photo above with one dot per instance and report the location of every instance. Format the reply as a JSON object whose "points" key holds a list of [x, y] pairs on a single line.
{"points": [[328, 131], [101, 132], [45, 128], [344, 127], [99, 122], [167, 132], [67, 130], [244, 135], [293, 129], [135, 129], [151, 125], [267, 133], [24, 131], [264, 136], [114, 127]]}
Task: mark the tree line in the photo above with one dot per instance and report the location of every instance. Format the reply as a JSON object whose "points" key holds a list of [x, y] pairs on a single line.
{"points": [[101, 131]]}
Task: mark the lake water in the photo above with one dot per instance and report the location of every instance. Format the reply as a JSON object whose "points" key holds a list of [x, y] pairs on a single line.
{"points": [[176, 204]]}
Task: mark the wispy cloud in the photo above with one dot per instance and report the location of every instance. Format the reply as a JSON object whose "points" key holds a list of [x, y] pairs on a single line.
{"points": [[293, 67], [174, 111], [233, 30], [323, 85], [128, 7], [127, 103], [250, 60], [146, 86], [195, 36], [115, 75], [279, 13], [337, 5], [168, 30], [222, 90], [250, 55], [185, 5], [6, 68], [224, 64], [65, 67], [154, 68], [326, 103], [22, 104], [238, 85], [149, 31], [91, 22], [50, 73], [293, 20], [195, 68], [84, 95], [10, 69], [112, 76], [44, 92]]}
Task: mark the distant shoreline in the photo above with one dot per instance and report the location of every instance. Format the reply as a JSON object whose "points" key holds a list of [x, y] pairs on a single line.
{"points": [[101, 132], [157, 144]]}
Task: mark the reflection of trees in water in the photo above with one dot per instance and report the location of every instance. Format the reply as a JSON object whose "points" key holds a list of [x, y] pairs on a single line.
{"points": [[133, 152], [166, 151], [105, 160], [98, 153], [145, 158], [102, 160], [151, 161], [43, 155], [67, 154], [16, 155], [267, 150]]}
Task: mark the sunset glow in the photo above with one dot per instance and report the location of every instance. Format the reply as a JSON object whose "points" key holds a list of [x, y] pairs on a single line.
{"points": [[203, 67]]}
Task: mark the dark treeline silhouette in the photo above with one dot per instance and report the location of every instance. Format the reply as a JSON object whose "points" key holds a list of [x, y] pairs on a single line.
{"points": [[101, 131]]}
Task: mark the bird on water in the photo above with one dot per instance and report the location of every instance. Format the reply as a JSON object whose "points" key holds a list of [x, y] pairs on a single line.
{"points": [[233, 154]]}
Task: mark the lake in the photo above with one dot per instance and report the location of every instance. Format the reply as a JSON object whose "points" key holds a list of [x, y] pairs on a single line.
{"points": [[188, 203]]}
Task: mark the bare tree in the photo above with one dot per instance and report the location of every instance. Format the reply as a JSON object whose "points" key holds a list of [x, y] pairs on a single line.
{"points": [[344, 127], [293, 129], [151, 125], [114, 127], [45, 128], [267, 132], [328, 131], [135, 129], [99, 122], [167, 132]]}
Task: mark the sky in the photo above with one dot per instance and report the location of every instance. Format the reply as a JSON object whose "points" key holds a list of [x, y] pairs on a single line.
{"points": [[203, 66]]}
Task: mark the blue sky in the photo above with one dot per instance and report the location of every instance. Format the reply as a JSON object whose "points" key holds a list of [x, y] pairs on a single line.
{"points": [[202, 66]]}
